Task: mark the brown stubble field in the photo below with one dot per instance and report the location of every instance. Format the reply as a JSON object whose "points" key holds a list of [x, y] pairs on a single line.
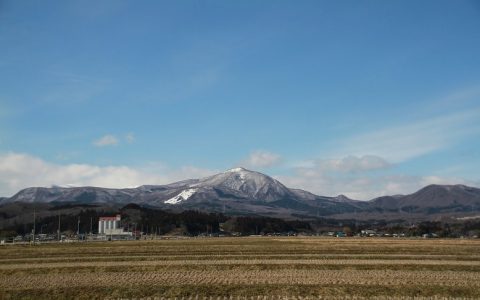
{"points": [[258, 267]]}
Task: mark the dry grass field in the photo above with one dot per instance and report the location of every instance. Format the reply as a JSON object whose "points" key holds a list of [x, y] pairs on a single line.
{"points": [[244, 268]]}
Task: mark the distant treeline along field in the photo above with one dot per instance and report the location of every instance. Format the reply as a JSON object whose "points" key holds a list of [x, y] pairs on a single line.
{"points": [[83, 220]]}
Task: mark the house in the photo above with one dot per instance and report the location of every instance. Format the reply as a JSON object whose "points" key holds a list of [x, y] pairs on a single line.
{"points": [[368, 232]]}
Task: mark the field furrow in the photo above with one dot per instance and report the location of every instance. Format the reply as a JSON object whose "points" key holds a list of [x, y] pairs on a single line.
{"points": [[295, 267]]}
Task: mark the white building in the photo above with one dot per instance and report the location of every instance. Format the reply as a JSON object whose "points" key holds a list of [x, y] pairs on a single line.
{"points": [[369, 232], [111, 226]]}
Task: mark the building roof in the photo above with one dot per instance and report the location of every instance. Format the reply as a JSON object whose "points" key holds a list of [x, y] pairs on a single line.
{"points": [[116, 218]]}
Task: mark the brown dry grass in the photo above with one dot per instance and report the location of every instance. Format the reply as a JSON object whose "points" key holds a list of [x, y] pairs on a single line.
{"points": [[267, 267]]}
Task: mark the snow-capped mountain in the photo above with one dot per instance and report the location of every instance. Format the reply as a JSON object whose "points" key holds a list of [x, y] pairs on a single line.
{"points": [[248, 183], [241, 191], [236, 190]]}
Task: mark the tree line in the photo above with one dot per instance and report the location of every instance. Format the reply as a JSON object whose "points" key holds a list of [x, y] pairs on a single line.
{"points": [[193, 223]]}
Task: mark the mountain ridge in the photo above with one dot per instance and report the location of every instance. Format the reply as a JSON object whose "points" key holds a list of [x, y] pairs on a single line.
{"points": [[242, 191]]}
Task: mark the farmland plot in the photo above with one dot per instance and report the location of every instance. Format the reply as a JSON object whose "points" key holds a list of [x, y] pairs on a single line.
{"points": [[263, 268]]}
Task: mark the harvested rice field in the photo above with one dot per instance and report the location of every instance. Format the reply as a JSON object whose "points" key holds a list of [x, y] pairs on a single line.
{"points": [[244, 268]]}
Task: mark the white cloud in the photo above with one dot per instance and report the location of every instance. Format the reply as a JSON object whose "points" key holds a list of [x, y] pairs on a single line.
{"points": [[106, 140], [18, 171], [261, 159], [350, 176]]}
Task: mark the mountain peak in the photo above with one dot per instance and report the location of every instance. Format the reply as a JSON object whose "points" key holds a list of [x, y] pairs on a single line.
{"points": [[251, 184]]}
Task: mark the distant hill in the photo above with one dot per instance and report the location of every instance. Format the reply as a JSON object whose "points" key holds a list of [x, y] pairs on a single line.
{"points": [[433, 198]]}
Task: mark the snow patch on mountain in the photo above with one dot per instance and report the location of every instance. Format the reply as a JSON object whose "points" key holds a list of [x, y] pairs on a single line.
{"points": [[183, 196]]}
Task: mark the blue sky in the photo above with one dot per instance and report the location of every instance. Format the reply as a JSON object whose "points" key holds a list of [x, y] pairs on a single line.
{"points": [[363, 98]]}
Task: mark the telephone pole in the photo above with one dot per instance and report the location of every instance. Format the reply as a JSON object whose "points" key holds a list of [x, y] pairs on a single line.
{"points": [[78, 228], [58, 231], [34, 218]]}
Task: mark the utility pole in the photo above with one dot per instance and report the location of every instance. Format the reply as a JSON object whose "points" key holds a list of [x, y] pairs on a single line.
{"points": [[41, 228], [34, 218], [91, 225], [78, 228], [58, 231]]}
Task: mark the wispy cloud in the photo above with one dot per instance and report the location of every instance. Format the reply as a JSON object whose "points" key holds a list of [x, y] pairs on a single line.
{"points": [[346, 164], [67, 88], [406, 141], [461, 96], [106, 140], [354, 157], [261, 159]]}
